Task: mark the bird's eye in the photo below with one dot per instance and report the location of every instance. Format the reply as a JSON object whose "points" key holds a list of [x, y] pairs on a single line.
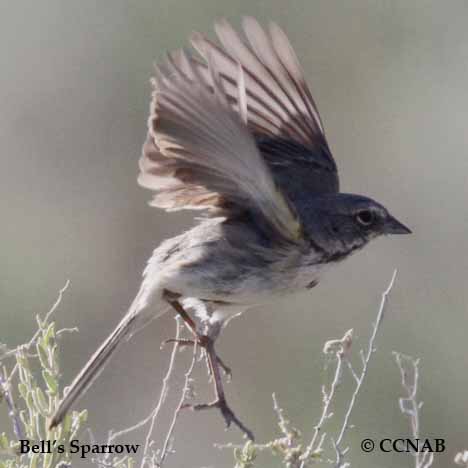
{"points": [[365, 217]]}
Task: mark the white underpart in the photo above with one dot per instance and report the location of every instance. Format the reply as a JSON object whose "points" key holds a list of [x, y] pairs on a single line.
{"points": [[210, 313]]}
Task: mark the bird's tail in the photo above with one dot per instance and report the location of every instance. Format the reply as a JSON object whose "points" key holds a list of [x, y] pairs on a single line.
{"points": [[99, 359]]}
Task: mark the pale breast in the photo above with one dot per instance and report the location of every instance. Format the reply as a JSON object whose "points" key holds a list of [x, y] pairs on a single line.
{"points": [[255, 286]]}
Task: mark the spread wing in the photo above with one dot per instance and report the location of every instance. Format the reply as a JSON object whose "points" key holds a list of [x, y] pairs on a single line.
{"points": [[281, 111], [200, 154]]}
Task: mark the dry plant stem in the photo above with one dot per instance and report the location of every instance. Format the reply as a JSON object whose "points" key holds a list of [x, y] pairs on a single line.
{"points": [[5, 380], [153, 415], [327, 399], [339, 452], [12, 412], [162, 396], [183, 398], [409, 405], [34, 338], [155, 411], [282, 421], [291, 440]]}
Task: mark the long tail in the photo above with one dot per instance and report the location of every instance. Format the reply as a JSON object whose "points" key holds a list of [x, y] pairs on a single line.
{"points": [[98, 360]]}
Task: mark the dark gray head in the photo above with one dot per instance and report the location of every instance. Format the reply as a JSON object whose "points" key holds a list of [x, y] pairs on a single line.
{"points": [[341, 223]]}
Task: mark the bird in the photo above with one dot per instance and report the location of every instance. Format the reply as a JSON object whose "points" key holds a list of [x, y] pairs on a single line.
{"points": [[234, 132]]}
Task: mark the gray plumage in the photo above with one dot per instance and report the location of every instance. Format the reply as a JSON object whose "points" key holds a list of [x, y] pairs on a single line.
{"points": [[236, 132]]}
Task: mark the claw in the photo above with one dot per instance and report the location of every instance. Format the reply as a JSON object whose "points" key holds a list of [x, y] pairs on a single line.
{"points": [[181, 342], [227, 413]]}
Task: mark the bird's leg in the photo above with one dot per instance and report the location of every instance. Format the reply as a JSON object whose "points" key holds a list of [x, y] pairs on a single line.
{"points": [[172, 300], [215, 364], [220, 400], [184, 342], [226, 369]]}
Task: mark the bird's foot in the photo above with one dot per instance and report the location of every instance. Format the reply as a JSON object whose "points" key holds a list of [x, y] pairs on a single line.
{"points": [[227, 414], [215, 364], [181, 342], [202, 341]]}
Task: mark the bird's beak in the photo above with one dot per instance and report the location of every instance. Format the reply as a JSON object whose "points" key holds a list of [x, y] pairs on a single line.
{"points": [[393, 226]]}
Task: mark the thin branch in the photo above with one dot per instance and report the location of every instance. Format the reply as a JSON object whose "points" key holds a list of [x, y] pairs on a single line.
{"points": [[283, 423], [366, 358], [36, 335], [338, 348], [12, 411], [185, 394], [153, 415], [162, 396], [409, 405], [5, 379], [34, 338], [352, 371]]}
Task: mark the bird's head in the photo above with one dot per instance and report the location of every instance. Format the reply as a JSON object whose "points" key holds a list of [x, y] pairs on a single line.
{"points": [[342, 223]]}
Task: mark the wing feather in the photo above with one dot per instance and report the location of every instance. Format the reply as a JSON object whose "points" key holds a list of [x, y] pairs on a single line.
{"points": [[229, 129], [200, 154], [279, 100]]}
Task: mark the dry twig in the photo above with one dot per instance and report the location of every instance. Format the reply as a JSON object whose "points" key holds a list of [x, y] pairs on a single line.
{"points": [[340, 452], [409, 404]]}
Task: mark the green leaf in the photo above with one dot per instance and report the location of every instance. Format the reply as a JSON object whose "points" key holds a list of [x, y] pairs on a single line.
{"points": [[43, 356], [37, 425], [40, 402], [48, 334], [83, 416], [48, 459], [51, 381], [26, 424], [4, 443], [67, 423], [54, 363], [23, 390], [30, 401], [22, 360], [33, 460]]}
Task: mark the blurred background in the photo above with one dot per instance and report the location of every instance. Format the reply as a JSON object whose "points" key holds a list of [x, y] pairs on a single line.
{"points": [[391, 82]]}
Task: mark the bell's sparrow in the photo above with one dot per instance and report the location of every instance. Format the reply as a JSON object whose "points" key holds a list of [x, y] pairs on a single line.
{"points": [[235, 131]]}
